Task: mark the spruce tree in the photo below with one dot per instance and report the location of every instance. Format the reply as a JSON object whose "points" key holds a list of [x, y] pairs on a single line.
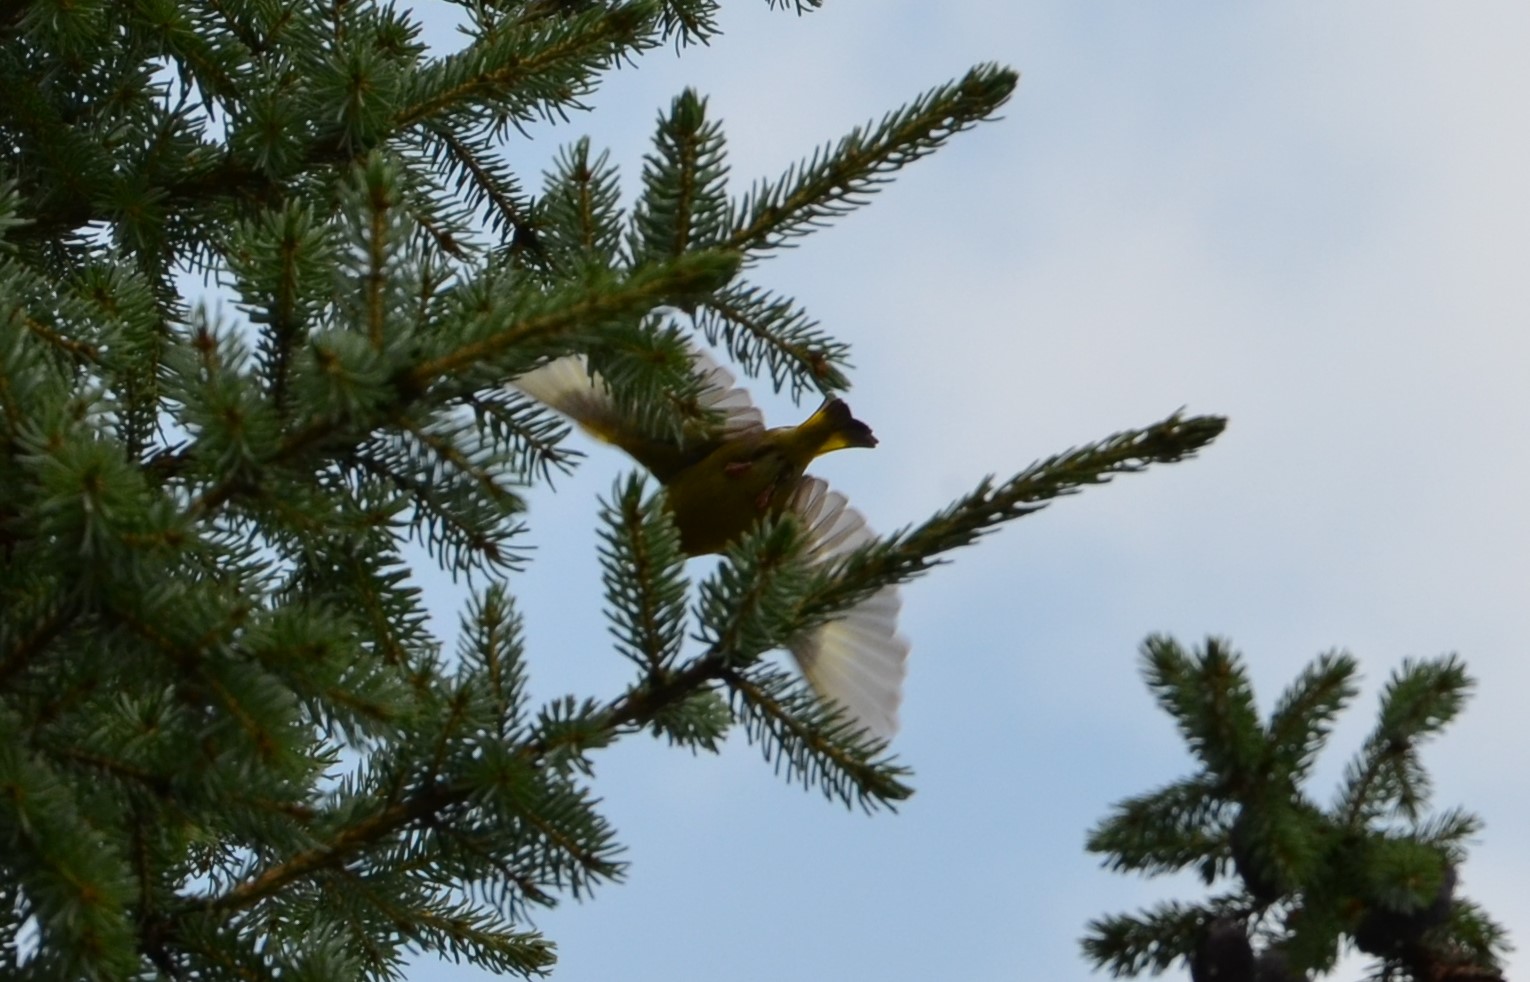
{"points": [[1299, 883], [230, 745]]}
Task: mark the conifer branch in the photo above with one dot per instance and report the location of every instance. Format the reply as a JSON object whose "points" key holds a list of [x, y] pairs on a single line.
{"points": [[1303, 718], [837, 758], [1326, 878], [536, 322], [655, 695], [1126, 945], [536, 438], [689, 21], [765, 332], [1418, 701], [491, 641], [422, 806], [642, 568], [448, 452], [34, 638], [684, 203], [1212, 702], [470, 529], [1163, 831], [363, 834], [912, 552], [493, 186], [746, 605], [837, 179], [513, 71], [813, 744], [80, 350], [643, 290], [482, 936], [1174, 439], [580, 211]]}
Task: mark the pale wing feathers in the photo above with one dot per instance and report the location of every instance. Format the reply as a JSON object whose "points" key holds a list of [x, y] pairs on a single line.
{"points": [[858, 660], [567, 385], [720, 394], [833, 527]]}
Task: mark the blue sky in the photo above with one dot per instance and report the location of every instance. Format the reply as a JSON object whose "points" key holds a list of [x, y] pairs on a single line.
{"points": [[1311, 219]]}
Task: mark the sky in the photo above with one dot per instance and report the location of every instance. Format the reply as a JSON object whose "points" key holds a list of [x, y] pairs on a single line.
{"points": [[1312, 219]]}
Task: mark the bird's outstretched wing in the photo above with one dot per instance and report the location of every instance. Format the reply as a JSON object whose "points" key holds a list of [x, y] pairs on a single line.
{"points": [[858, 660], [568, 386]]}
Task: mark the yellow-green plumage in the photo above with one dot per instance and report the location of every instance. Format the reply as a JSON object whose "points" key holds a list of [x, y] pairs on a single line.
{"points": [[720, 498], [723, 478]]}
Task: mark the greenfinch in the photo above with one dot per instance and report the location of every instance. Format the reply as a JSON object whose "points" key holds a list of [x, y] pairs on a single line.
{"points": [[722, 477]]}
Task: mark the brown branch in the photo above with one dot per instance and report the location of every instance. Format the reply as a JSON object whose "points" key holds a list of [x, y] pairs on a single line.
{"points": [[634, 709], [43, 633]]}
